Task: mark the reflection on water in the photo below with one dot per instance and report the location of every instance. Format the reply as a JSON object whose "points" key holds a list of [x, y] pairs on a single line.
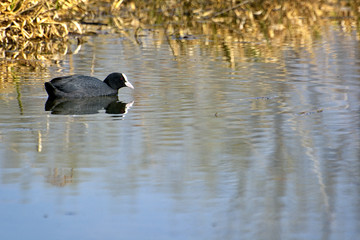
{"points": [[79, 106], [225, 140]]}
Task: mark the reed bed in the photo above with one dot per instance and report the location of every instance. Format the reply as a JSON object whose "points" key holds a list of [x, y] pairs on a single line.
{"points": [[30, 19], [35, 29]]}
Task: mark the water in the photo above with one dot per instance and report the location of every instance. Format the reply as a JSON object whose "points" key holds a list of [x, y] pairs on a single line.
{"points": [[221, 139]]}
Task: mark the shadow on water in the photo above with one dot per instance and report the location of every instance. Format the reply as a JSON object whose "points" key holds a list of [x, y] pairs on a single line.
{"points": [[81, 106]]}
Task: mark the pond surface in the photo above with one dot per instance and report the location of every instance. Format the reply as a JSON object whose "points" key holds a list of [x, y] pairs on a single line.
{"points": [[221, 139]]}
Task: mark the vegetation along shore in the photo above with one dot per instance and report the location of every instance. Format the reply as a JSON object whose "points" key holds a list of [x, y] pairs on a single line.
{"points": [[36, 28]]}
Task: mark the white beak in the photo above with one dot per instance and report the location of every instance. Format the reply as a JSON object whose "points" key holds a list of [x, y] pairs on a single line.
{"points": [[128, 84]]}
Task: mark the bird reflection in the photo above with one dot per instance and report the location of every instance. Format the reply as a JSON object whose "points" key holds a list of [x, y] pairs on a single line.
{"points": [[91, 105]]}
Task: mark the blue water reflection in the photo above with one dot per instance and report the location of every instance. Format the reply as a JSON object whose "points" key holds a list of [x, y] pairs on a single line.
{"points": [[255, 142]]}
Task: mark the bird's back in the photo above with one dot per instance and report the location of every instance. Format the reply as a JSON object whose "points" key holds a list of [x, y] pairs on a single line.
{"points": [[78, 86]]}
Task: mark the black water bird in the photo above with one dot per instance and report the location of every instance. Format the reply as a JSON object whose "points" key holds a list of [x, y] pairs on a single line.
{"points": [[79, 86]]}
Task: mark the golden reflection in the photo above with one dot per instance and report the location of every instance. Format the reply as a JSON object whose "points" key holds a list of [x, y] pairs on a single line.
{"points": [[25, 22], [60, 176], [39, 145]]}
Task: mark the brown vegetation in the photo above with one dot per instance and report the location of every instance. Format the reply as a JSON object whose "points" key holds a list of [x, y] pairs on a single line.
{"points": [[32, 29]]}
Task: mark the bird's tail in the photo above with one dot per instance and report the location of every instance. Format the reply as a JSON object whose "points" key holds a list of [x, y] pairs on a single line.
{"points": [[51, 90]]}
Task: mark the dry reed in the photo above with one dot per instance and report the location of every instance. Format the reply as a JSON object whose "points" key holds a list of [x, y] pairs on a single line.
{"points": [[28, 28]]}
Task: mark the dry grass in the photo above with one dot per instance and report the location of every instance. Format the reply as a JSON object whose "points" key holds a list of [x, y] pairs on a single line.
{"points": [[30, 19], [33, 29]]}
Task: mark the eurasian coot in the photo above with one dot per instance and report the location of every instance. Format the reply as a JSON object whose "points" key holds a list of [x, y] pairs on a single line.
{"points": [[77, 86]]}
